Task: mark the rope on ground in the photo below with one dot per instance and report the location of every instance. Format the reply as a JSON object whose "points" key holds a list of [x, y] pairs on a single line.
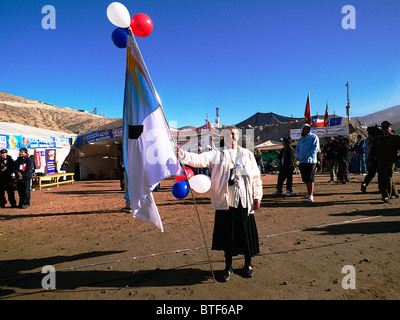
{"points": [[191, 249]]}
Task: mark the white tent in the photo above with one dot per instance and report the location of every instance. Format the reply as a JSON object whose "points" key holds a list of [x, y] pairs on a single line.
{"points": [[14, 136], [269, 145]]}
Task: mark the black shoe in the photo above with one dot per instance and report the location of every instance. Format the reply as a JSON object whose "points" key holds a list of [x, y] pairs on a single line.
{"points": [[396, 196], [24, 206], [385, 200], [248, 271], [14, 206], [363, 188], [227, 274]]}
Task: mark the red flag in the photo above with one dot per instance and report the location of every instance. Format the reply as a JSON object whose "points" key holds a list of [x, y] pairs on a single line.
{"points": [[317, 123], [307, 112], [326, 118]]}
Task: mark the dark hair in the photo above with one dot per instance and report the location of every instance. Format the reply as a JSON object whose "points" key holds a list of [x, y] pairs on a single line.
{"points": [[24, 150]]}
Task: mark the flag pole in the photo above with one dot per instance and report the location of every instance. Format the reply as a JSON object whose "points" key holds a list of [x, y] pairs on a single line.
{"points": [[198, 216], [348, 106], [179, 160]]}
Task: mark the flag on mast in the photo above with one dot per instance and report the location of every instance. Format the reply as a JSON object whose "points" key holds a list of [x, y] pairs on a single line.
{"points": [[148, 149], [307, 111], [326, 118]]}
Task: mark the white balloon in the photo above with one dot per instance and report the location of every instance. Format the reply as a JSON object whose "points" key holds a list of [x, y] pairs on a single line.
{"points": [[200, 183], [119, 15]]}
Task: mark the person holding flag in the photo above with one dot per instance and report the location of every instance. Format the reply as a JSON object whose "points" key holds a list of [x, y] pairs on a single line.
{"points": [[236, 193]]}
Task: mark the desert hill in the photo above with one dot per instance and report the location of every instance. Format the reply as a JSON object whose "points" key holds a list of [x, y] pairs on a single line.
{"points": [[391, 114], [15, 109]]}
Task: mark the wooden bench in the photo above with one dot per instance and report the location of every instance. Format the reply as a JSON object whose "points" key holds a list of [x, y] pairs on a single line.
{"points": [[40, 182]]}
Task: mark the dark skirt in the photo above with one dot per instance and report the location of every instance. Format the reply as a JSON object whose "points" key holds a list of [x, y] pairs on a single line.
{"points": [[235, 232]]}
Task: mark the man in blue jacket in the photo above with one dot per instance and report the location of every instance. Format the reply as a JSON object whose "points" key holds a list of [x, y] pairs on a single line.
{"points": [[360, 150], [306, 152]]}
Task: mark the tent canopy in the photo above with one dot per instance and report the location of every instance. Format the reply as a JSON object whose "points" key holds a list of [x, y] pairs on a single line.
{"points": [[269, 145], [20, 129], [262, 119]]}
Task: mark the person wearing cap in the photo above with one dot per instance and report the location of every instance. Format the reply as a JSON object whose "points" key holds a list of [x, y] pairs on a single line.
{"points": [[23, 167], [287, 163], [385, 150], [306, 152], [6, 180]]}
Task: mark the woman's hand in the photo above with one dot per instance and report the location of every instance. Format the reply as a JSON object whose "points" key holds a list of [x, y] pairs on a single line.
{"points": [[256, 204], [179, 152]]}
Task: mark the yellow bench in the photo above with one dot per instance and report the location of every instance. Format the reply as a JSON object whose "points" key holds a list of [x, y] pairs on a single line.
{"points": [[54, 180]]}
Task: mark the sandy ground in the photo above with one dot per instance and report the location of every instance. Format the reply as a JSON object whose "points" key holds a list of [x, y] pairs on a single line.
{"points": [[102, 253]]}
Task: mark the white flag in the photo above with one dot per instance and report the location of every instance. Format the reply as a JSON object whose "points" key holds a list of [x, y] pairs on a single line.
{"points": [[149, 155]]}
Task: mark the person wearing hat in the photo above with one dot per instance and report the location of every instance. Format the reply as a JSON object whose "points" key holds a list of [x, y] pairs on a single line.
{"points": [[6, 181], [306, 152], [287, 163], [385, 150]]}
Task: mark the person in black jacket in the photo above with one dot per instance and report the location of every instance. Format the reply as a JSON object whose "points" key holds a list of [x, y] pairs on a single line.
{"points": [[287, 163], [330, 150], [23, 168], [6, 180], [343, 160]]}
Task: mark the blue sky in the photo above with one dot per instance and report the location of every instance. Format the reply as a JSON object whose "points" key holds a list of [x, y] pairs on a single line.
{"points": [[243, 56]]}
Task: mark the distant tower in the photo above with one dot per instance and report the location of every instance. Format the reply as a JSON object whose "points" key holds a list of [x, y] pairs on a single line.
{"points": [[217, 119]]}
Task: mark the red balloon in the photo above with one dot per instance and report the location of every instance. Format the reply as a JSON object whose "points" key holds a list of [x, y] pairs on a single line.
{"points": [[141, 25], [189, 173]]}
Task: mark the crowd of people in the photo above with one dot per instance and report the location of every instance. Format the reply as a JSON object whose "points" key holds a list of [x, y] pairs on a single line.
{"points": [[236, 186], [16, 173], [377, 154]]}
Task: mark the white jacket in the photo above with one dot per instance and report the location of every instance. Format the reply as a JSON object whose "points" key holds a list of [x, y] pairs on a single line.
{"points": [[220, 162]]}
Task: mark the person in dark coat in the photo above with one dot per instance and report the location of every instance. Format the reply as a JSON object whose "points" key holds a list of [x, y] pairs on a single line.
{"points": [[6, 181], [385, 150], [373, 133], [287, 163], [330, 150], [343, 160], [23, 168]]}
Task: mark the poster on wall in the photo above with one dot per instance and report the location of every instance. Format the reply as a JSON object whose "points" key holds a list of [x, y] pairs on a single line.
{"points": [[51, 160]]}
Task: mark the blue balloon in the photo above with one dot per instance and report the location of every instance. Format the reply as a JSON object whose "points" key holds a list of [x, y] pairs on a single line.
{"points": [[180, 189], [120, 37]]}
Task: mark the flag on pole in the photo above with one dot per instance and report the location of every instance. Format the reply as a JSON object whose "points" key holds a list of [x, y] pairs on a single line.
{"points": [[307, 111], [148, 150], [337, 121], [326, 118], [317, 122]]}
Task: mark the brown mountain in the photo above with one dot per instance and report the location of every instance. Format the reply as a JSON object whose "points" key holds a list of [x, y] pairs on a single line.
{"points": [[390, 114], [14, 109]]}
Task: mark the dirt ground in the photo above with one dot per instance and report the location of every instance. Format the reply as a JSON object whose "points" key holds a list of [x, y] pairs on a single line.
{"points": [[102, 253]]}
